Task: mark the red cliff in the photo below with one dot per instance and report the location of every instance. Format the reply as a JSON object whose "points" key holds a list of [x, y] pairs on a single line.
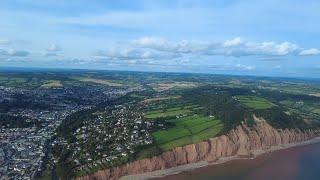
{"points": [[241, 141]]}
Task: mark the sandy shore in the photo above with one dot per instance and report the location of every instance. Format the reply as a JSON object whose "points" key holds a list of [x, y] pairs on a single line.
{"points": [[188, 167]]}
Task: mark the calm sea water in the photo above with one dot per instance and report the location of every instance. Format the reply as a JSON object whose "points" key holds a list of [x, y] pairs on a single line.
{"points": [[298, 163]]}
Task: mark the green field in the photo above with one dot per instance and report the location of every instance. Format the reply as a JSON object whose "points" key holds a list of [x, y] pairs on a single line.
{"points": [[317, 111], [187, 130], [32, 82], [52, 84], [12, 81], [157, 99], [101, 81], [254, 102], [169, 113], [169, 107], [187, 125]]}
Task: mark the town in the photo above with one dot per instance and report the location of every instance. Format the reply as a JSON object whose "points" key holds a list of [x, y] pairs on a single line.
{"points": [[110, 137], [34, 114]]}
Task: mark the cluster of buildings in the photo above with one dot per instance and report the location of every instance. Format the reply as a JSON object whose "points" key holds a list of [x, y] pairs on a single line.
{"points": [[23, 150], [114, 134]]}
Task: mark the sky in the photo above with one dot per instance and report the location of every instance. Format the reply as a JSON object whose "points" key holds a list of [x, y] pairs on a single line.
{"points": [[247, 37]]}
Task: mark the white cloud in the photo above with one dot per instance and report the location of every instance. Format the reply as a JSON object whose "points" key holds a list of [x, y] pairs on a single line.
{"points": [[14, 53], [162, 44], [310, 52], [18, 53], [49, 54], [132, 54], [236, 47], [54, 48], [233, 42], [5, 42], [155, 48], [245, 67], [285, 48], [272, 48]]}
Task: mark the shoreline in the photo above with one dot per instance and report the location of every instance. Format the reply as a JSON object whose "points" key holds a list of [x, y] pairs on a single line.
{"points": [[192, 166]]}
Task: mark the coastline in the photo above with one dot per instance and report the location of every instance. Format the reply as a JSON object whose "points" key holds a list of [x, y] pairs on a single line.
{"points": [[192, 166]]}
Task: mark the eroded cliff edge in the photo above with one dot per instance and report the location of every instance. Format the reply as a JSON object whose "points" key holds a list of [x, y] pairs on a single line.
{"points": [[241, 141]]}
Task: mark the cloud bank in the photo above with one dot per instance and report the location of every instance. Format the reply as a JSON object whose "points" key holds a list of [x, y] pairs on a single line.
{"points": [[310, 52], [133, 54], [54, 48], [13, 53], [236, 47]]}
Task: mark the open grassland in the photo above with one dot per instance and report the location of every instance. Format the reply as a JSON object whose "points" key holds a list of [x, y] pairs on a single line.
{"points": [[161, 99], [137, 96], [187, 130], [186, 125], [173, 85], [254, 102], [34, 81], [101, 81], [171, 110], [168, 104], [315, 94], [12, 81], [317, 111], [52, 84], [169, 113]]}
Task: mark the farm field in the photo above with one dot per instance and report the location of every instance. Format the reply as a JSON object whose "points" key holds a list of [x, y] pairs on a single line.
{"points": [[12, 81], [254, 102], [52, 84], [28, 81], [172, 85], [169, 107], [315, 94], [101, 81], [191, 129], [317, 111], [187, 124], [161, 99], [169, 113]]}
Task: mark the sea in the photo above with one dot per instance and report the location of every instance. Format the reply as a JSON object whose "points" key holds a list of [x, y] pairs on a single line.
{"points": [[296, 163]]}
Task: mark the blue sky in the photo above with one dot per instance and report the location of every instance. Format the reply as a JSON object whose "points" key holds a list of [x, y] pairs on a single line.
{"points": [[271, 37]]}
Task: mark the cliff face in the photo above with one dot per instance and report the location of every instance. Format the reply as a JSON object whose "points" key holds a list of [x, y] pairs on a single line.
{"points": [[241, 141]]}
